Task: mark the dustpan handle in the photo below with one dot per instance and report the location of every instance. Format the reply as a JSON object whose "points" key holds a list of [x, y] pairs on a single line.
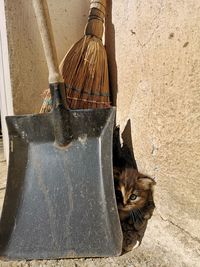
{"points": [[44, 25], [55, 80]]}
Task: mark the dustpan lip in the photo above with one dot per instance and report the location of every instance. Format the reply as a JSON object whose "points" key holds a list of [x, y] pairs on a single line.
{"points": [[89, 110]]}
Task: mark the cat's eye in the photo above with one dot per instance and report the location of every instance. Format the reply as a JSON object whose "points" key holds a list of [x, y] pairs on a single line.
{"points": [[133, 197]]}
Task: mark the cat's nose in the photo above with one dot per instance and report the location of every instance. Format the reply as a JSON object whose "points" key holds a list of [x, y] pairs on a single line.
{"points": [[124, 203]]}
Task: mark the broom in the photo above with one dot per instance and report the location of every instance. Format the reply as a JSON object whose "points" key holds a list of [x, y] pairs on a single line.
{"points": [[84, 68]]}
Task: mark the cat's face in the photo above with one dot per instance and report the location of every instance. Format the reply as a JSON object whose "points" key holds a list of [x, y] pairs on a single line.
{"points": [[132, 190]]}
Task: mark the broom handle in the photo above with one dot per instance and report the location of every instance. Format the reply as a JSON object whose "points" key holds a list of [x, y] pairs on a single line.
{"points": [[44, 25], [100, 5], [96, 18]]}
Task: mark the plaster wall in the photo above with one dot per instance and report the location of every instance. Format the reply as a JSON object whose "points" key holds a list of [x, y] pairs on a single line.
{"points": [[29, 75], [154, 58], [158, 79]]}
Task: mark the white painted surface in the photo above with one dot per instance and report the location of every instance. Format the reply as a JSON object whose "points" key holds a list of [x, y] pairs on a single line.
{"points": [[6, 105]]}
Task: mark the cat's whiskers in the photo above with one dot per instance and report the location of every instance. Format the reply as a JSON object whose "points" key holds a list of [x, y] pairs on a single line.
{"points": [[140, 215], [137, 215], [140, 212], [133, 216]]}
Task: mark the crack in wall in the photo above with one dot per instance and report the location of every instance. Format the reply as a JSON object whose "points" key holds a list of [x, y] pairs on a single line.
{"points": [[156, 27], [196, 239]]}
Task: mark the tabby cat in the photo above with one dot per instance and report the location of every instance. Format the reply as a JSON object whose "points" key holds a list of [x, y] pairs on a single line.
{"points": [[134, 194]]}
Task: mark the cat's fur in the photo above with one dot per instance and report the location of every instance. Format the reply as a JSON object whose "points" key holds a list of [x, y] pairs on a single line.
{"points": [[134, 194]]}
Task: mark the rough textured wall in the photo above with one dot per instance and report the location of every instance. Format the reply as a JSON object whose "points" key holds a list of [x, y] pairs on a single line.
{"points": [[157, 76], [28, 67]]}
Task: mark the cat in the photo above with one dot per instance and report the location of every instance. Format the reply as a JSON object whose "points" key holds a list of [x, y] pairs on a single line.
{"points": [[134, 194]]}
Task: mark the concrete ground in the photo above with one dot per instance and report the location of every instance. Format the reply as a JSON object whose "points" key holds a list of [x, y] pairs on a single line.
{"points": [[164, 245]]}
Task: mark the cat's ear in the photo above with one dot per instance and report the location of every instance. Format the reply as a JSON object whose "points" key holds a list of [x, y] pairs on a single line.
{"points": [[146, 182]]}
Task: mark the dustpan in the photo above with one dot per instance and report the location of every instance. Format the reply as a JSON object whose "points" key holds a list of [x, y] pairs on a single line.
{"points": [[60, 200]]}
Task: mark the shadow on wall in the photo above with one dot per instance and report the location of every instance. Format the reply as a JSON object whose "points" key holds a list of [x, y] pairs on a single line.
{"points": [[123, 154], [127, 140], [113, 75], [110, 48]]}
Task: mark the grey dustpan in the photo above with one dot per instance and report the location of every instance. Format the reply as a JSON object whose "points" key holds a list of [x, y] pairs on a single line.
{"points": [[60, 200]]}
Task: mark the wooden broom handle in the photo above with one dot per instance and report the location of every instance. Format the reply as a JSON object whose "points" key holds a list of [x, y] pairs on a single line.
{"points": [[45, 29], [99, 4]]}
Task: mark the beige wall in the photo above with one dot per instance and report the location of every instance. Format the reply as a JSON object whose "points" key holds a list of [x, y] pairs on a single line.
{"points": [[28, 67], [158, 81], [154, 55]]}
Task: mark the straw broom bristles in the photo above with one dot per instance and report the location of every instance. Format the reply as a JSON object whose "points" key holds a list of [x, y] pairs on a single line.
{"points": [[84, 68]]}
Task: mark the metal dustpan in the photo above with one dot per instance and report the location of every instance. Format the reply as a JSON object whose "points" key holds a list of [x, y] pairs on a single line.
{"points": [[60, 200]]}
